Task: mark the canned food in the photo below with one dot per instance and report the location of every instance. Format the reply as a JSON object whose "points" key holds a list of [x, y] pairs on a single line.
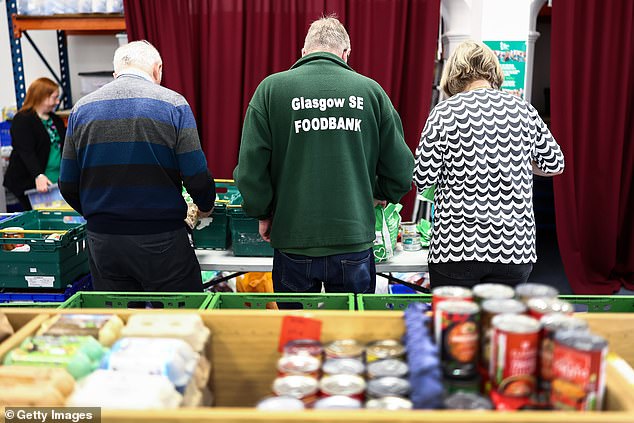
{"points": [[337, 402], [304, 346], [349, 385], [296, 386], [492, 291], [389, 403], [444, 293], [298, 364], [539, 307], [526, 291], [280, 404], [388, 387], [344, 348], [343, 366], [490, 309], [389, 367], [578, 371], [514, 344], [551, 324], [467, 401], [456, 330], [380, 350], [452, 385]]}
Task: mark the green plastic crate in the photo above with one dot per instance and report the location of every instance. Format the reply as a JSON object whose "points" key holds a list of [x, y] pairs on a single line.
{"points": [[601, 303], [217, 234], [228, 300], [245, 235], [50, 264], [395, 302], [169, 300], [30, 304]]}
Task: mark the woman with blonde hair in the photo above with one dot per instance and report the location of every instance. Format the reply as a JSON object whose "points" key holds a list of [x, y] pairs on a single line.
{"points": [[481, 147], [37, 137]]}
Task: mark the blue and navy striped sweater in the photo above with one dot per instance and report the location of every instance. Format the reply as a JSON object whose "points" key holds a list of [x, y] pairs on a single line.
{"points": [[129, 147]]}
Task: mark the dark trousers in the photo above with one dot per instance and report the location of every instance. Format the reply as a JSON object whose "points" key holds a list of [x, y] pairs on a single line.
{"points": [[470, 273], [344, 273], [162, 262]]}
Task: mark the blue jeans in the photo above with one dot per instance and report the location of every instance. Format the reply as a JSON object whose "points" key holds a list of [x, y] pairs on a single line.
{"points": [[470, 273], [345, 273]]}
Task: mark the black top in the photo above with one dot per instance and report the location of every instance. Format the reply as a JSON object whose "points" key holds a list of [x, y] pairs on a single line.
{"points": [[31, 147]]}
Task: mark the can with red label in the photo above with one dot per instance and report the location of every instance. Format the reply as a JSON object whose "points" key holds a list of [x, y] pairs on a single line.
{"points": [[456, 330], [444, 293], [301, 387], [490, 309], [352, 386], [298, 364], [385, 348], [492, 291], [343, 366], [551, 324], [526, 291], [344, 348], [514, 346], [539, 307], [304, 346], [578, 371]]}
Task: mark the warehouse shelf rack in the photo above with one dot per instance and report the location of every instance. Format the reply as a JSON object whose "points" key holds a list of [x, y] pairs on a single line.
{"points": [[63, 24]]}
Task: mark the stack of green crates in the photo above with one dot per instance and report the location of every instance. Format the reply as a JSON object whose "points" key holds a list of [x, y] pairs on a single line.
{"points": [[395, 302], [245, 232], [216, 235], [168, 300], [50, 263]]}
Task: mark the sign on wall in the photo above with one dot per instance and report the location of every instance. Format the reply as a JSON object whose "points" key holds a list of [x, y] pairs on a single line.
{"points": [[512, 57]]}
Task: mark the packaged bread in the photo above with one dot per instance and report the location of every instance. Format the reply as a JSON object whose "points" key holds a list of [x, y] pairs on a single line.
{"points": [[188, 327], [106, 328], [6, 330], [30, 396], [58, 378], [127, 391], [79, 355]]}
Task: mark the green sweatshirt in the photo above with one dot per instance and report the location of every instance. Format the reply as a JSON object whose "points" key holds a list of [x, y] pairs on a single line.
{"points": [[319, 142]]}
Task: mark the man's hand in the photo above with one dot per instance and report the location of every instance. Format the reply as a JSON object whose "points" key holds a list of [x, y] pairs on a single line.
{"points": [[202, 214], [42, 183], [265, 229]]}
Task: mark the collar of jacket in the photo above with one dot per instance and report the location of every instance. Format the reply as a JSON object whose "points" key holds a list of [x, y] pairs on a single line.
{"points": [[321, 55]]}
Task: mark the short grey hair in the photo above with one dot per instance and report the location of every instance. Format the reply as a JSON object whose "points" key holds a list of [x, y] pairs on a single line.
{"points": [[137, 54], [327, 34]]}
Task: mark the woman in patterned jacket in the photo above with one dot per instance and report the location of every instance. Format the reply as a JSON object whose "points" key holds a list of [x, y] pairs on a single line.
{"points": [[481, 148]]}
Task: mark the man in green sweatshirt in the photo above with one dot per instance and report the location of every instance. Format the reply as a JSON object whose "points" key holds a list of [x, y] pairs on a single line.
{"points": [[320, 145]]}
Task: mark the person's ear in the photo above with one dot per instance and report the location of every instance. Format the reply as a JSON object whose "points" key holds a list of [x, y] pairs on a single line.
{"points": [[303, 52], [157, 73]]}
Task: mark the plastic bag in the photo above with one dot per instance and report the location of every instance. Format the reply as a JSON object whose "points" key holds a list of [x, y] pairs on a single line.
{"points": [[256, 282], [386, 226]]}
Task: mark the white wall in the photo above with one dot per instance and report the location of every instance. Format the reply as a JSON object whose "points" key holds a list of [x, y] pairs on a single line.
{"points": [[86, 53]]}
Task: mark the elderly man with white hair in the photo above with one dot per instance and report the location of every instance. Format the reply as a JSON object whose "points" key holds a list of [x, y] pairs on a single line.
{"points": [[130, 147], [319, 142]]}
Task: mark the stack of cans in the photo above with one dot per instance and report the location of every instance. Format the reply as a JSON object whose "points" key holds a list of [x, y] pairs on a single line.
{"points": [[343, 374], [522, 348]]}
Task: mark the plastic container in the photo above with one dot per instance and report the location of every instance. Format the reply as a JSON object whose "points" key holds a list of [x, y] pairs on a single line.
{"points": [[5, 133], [228, 300], [57, 252], [245, 235], [92, 81], [214, 233], [191, 300], [397, 302], [47, 200], [84, 283]]}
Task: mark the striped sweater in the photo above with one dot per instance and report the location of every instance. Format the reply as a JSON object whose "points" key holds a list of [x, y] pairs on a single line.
{"points": [[130, 146]]}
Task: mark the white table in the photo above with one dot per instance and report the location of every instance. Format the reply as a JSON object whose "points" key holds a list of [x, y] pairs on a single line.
{"points": [[403, 261]]}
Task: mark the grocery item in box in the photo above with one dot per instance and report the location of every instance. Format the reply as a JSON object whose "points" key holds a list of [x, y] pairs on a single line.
{"points": [[106, 328], [80, 355], [173, 358], [6, 329], [128, 391], [34, 387], [188, 327]]}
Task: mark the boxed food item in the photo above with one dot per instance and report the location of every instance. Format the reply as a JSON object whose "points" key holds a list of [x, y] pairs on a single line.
{"points": [[34, 387], [106, 328], [188, 327]]}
